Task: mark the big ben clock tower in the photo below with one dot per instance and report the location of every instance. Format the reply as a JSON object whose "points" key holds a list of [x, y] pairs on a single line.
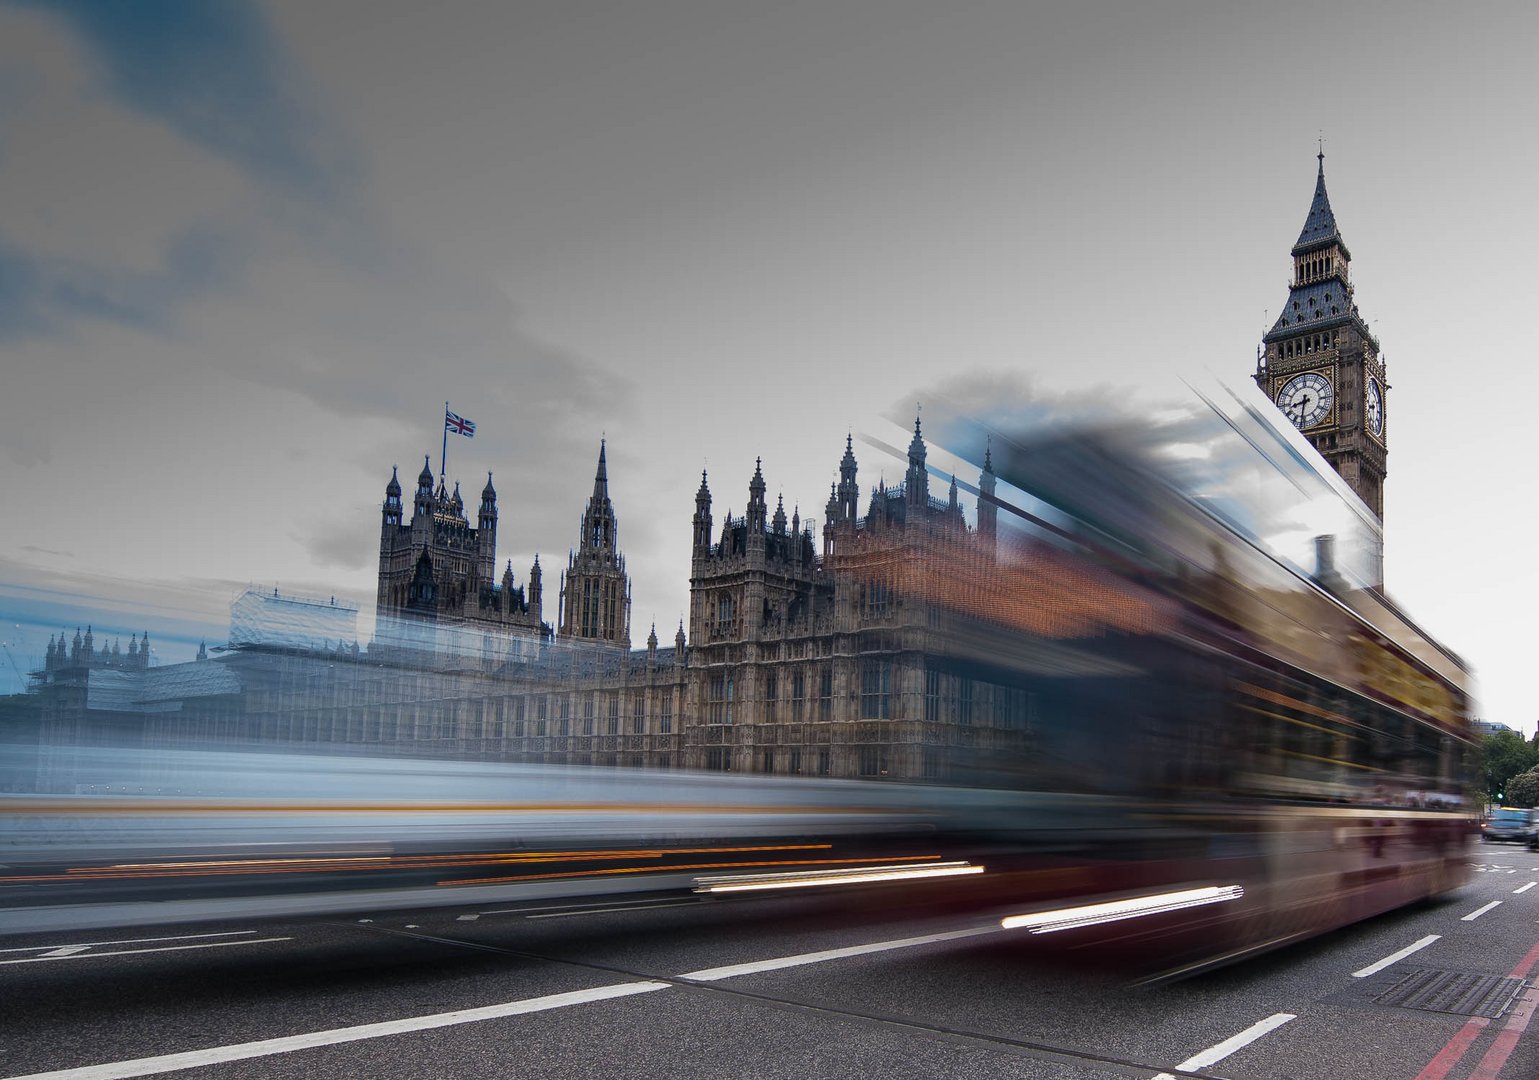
{"points": [[1321, 364]]}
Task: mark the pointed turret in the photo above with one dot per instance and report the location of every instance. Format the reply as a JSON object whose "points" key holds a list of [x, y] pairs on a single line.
{"points": [[831, 518], [203, 650], [917, 480], [1320, 224], [678, 645], [601, 477], [703, 517], [595, 591], [598, 520], [988, 509], [849, 490], [779, 521], [1320, 295], [758, 511], [422, 502], [486, 534], [652, 645], [392, 507]]}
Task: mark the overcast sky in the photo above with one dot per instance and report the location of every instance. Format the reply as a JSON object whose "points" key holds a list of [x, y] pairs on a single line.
{"points": [[248, 250]]}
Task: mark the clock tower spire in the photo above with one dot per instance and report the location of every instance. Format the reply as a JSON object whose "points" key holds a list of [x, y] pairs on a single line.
{"points": [[1321, 364]]}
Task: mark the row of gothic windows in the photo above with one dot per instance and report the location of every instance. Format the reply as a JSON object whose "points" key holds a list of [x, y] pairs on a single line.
{"points": [[1310, 269], [719, 759], [1003, 707], [1307, 344]]}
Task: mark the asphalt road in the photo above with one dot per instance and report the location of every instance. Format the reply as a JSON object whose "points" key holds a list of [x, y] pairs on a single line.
{"points": [[798, 987]]}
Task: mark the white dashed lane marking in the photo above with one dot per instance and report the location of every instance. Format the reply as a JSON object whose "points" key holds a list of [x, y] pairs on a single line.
{"points": [[129, 941], [193, 1059], [1478, 912], [1214, 1054], [70, 953], [1395, 957]]}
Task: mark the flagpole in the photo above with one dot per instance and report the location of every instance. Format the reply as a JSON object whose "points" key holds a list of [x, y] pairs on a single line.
{"points": [[443, 465]]}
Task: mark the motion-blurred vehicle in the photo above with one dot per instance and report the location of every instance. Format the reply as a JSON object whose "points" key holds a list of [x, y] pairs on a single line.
{"points": [[1512, 825], [1209, 733], [1194, 613]]}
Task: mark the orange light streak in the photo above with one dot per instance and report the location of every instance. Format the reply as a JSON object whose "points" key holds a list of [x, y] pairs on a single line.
{"points": [[683, 866], [169, 807], [135, 871]]}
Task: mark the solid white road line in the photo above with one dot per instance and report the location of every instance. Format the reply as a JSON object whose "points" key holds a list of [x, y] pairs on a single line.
{"points": [[129, 941], [574, 907], [606, 910], [1525, 888], [61, 955], [732, 970], [1214, 1054], [1380, 965], [1478, 912], [193, 1059]]}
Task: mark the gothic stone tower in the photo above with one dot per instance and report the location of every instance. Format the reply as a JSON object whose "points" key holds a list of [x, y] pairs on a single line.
{"points": [[595, 591], [760, 577], [1320, 363], [756, 600], [437, 566]]}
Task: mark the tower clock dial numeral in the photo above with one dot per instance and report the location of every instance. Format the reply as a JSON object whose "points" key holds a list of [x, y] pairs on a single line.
{"points": [[1306, 399], [1375, 407]]}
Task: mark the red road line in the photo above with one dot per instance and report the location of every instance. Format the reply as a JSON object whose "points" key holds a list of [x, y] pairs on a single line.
{"points": [[1449, 1056], [1506, 1039]]}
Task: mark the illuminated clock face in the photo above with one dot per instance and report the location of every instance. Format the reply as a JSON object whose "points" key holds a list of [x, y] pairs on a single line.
{"points": [[1375, 407], [1306, 399]]}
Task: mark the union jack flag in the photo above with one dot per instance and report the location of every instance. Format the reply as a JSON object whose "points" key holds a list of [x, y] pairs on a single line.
{"points": [[459, 425]]}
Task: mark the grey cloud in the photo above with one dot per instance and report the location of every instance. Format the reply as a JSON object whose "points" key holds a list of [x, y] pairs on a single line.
{"points": [[218, 75], [44, 296], [48, 551], [347, 543]]}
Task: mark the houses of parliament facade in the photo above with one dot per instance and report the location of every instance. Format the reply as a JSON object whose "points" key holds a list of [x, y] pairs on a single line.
{"points": [[812, 654], [798, 658]]}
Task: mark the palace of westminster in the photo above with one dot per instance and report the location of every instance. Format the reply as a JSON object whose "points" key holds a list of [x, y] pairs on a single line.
{"points": [[803, 656]]}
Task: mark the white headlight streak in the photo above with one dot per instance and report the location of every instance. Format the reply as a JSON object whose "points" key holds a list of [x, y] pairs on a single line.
{"points": [[850, 875], [1046, 922]]}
